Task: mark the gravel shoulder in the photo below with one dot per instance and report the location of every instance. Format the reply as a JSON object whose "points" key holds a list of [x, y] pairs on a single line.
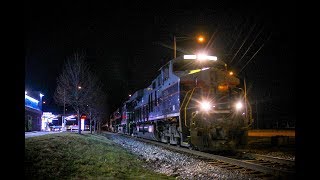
{"points": [[264, 147], [175, 164]]}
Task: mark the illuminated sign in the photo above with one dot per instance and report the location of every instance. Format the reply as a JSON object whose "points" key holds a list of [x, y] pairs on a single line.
{"points": [[31, 102]]}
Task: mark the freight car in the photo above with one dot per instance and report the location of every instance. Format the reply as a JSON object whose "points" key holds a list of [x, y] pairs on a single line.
{"points": [[193, 102]]}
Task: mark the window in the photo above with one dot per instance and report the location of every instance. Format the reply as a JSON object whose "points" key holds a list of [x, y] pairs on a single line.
{"points": [[159, 81], [155, 99], [154, 85], [166, 73]]}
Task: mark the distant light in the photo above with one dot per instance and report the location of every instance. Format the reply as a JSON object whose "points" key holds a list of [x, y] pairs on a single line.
{"points": [[25, 92], [190, 57], [41, 95], [223, 87], [79, 87], [87, 105], [201, 39], [129, 95], [230, 73], [82, 124], [44, 102]]}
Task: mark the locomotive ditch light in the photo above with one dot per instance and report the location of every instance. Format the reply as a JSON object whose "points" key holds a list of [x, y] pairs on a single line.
{"points": [[205, 105], [239, 105]]}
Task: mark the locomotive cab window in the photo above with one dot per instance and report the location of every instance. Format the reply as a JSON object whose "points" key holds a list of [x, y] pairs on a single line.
{"points": [[166, 73]]}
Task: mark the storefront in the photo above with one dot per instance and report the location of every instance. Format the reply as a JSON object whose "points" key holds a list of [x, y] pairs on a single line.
{"points": [[33, 110]]}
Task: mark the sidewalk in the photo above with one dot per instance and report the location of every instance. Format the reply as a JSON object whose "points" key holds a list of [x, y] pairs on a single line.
{"points": [[38, 133]]}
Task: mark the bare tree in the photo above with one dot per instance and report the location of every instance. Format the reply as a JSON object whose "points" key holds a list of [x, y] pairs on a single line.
{"points": [[96, 107], [75, 85]]}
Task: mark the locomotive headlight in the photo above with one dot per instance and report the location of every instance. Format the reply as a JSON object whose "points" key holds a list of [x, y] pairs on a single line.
{"points": [[239, 105], [205, 105]]}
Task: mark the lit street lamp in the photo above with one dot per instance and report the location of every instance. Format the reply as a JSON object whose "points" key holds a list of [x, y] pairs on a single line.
{"points": [[200, 39]]}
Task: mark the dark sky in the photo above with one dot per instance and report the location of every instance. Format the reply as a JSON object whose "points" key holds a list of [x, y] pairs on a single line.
{"points": [[256, 40]]}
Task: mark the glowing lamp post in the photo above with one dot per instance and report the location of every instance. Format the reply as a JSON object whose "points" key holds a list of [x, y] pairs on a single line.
{"points": [[200, 39]]}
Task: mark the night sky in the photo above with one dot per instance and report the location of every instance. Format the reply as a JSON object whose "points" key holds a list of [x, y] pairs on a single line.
{"points": [[122, 40]]}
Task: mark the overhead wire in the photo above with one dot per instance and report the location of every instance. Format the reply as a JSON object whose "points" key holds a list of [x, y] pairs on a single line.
{"points": [[254, 54], [244, 41], [250, 46]]}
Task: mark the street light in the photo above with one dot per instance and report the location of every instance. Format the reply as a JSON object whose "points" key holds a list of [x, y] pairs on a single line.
{"points": [[200, 39]]}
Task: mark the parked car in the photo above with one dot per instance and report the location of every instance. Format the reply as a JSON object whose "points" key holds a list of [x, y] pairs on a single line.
{"points": [[54, 127]]}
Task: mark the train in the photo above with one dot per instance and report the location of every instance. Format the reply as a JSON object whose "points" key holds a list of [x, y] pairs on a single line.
{"points": [[194, 102]]}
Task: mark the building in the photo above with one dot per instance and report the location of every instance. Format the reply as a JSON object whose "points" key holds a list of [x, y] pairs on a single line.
{"points": [[33, 110]]}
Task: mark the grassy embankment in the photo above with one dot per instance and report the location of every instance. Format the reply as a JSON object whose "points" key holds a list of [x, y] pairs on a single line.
{"points": [[74, 156]]}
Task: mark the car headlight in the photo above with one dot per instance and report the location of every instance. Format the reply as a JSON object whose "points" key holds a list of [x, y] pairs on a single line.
{"points": [[239, 105], [205, 105]]}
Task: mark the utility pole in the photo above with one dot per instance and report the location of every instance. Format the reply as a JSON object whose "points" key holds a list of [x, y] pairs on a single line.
{"points": [[257, 114], [90, 121], [64, 109], [174, 47], [64, 102], [245, 97]]}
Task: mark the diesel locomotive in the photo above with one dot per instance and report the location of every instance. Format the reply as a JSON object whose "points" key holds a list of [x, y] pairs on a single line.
{"points": [[193, 102]]}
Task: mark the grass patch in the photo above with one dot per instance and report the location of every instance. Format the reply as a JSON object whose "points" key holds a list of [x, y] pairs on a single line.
{"points": [[86, 156]]}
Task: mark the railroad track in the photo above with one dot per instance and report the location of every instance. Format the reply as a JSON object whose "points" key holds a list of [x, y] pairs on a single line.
{"points": [[254, 164]]}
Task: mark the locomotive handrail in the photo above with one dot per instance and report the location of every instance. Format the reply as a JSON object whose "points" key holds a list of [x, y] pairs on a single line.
{"points": [[185, 108], [184, 99], [182, 106]]}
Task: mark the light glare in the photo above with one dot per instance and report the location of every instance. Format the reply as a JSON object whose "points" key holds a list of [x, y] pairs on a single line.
{"points": [[189, 57], [205, 105], [202, 56], [239, 105], [214, 58], [200, 39]]}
